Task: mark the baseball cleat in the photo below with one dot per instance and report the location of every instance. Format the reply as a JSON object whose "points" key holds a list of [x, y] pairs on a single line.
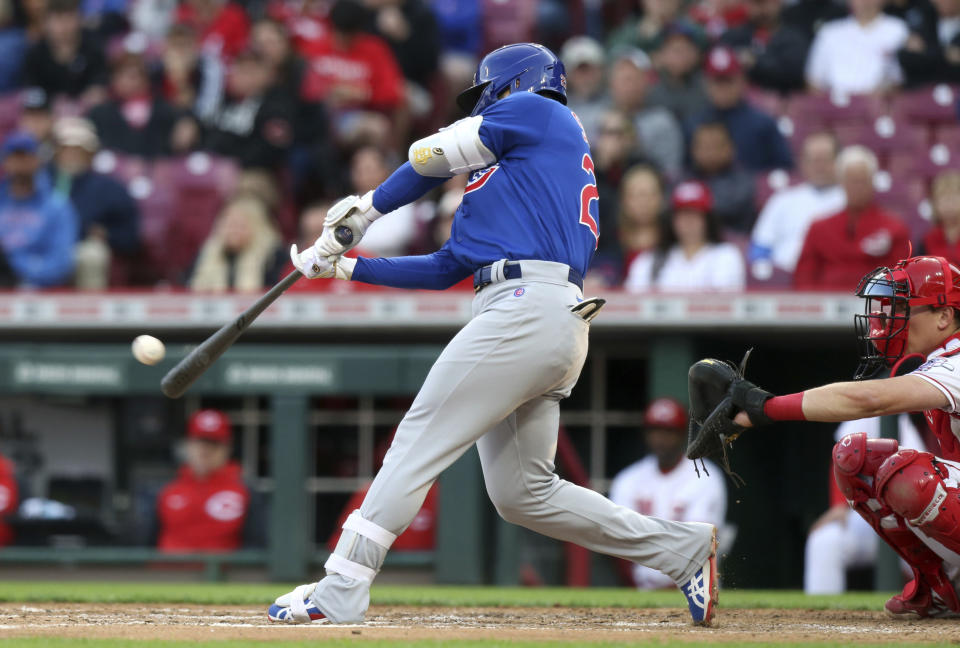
{"points": [[918, 601], [296, 607], [702, 591]]}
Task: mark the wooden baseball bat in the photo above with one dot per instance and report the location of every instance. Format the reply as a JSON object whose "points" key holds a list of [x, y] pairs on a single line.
{"points": [[178, 379]]}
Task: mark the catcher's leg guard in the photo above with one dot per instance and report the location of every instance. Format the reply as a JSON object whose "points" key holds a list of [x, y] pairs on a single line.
{"points": [[857, 463], [919, 488]]}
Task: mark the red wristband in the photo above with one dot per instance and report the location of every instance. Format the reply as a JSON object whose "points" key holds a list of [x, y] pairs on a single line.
{"points": [[785, 408]]}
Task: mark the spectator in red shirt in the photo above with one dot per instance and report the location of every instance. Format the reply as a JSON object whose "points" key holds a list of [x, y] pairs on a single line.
{"points": [[206, 506], [222, 25], [352, 71], [943, 239], [307, 21], [8, 499], [839, 250]]}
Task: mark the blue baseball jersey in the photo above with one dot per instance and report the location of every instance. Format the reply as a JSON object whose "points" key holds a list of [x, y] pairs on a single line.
{"points": [[537, 201]]}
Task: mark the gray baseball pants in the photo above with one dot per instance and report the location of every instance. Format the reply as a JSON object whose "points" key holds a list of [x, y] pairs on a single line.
{"points": [[498, 384]]}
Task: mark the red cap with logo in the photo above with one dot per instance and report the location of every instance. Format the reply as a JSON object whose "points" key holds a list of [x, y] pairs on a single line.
{"points": [[665, 413], [209, 425], [722, 62], [692, 195]]}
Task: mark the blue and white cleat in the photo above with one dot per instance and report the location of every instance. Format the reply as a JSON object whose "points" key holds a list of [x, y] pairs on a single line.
{"points": [[296, 607], [702, 590]]}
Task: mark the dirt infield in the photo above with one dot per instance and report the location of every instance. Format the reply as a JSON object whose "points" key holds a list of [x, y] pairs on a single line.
{"points": [[193, 622]]}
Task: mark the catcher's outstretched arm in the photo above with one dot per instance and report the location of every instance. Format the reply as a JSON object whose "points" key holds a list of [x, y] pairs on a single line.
{"points": [[848, 401]]}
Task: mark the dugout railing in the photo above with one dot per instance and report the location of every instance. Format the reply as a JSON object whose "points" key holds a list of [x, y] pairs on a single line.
{"points": [[374, 350]]}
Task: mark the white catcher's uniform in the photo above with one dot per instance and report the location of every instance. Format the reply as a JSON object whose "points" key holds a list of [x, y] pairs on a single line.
{"points": [[675, 495]]}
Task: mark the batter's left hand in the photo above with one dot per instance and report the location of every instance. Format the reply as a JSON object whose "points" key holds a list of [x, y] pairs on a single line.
{"points": [[355, 212], [742, 420]]}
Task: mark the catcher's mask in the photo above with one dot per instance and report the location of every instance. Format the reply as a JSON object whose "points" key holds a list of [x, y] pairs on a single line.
{"points": [[890, 294]]}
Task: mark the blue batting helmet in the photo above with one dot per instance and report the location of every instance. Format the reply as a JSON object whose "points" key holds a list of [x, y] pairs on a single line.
{"points": [[520, 67]]}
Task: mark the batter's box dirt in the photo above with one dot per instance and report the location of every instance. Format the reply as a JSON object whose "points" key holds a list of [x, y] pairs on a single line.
{"points": [[194, 622]]}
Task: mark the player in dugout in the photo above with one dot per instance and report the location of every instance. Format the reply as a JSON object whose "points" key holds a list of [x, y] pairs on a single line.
{"points": [[660, 483], [910, 331], [208, 506]]}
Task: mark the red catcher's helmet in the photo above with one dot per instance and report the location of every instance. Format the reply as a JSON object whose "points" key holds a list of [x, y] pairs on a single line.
{"points": [[890, 294], [665, 413]]}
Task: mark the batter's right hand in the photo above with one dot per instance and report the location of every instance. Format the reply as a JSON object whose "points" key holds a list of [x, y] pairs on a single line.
{"points": [[311, 264]]}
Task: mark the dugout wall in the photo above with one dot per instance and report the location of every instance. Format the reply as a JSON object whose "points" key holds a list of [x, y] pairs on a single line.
{"points": [[301, 405]]}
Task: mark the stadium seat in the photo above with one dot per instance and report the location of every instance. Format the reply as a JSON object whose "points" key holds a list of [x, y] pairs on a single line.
{"points": [[10, 106], [197, 186], [770, 183], [884, 136], [121, 166], [918, 216], [762, 275], [926, 165], [929, 105], [825, 111], [948, 135], [766, 100], [156, 212], [905, 196]]}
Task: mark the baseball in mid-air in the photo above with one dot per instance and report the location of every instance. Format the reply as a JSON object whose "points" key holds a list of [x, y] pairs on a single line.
{"points": [[148, 349]]}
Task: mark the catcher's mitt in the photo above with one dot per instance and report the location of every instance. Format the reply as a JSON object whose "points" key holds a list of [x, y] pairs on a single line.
{"points": [[718, 391]]}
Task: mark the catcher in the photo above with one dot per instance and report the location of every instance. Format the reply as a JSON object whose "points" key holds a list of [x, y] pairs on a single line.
{"points": [[910, 330]]}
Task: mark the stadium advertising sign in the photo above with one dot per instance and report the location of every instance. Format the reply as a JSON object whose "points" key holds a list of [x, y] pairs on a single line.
{"points": [[247, 374], [28, 373]]}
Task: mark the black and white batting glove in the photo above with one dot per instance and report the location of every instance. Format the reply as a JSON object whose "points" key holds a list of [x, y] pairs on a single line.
{"points": [[314, 265], [354, 212]]}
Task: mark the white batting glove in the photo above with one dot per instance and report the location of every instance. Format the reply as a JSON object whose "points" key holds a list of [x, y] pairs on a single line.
{"points": [[313, 265], [354, 212]]}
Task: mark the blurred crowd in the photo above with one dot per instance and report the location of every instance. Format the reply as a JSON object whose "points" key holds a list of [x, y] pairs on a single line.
{"points": [[737, 143]]}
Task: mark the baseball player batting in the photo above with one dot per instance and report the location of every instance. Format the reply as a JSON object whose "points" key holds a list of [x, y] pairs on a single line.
{"points": [[525, 231], [910, 330]]}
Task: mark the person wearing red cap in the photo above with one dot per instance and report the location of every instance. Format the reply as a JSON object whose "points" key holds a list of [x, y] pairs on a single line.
{"points": [[662, 484], [691, 255], [206, 506], [759, 143]]}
